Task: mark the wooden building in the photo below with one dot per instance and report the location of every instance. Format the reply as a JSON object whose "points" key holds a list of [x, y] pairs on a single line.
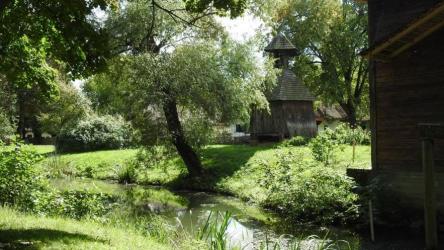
{"points": [[406, 88], [329, 117], [291, 103]]}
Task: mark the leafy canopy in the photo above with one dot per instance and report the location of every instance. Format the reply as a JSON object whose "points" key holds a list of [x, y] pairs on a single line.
{"points": [[211, 81], [330, 35]]}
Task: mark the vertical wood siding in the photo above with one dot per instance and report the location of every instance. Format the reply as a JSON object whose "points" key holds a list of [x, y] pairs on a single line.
{"points": [[286, 119], [405, 91]]}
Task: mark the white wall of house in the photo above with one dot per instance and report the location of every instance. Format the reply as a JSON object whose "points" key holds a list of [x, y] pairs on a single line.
{"points": [[332, 124]]}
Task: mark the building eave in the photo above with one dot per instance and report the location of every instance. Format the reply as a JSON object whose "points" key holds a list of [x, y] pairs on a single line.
{"points": [[409, 35]]}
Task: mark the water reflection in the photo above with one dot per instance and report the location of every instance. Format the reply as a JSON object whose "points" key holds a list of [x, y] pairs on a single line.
{"points": [[249, 227]]}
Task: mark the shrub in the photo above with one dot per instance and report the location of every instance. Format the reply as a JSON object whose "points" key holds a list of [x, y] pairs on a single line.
{"points": [[6, 127], [295, 141], [76, 204], [57, 167], [155, 156], [343, 134], [95, 133], [303, 191], [18, 176], [323, 146], [126, 173]]}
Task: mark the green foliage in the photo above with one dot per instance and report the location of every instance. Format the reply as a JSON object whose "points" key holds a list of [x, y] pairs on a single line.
{"points": [[330, 34], [235, 8], [324, 145], [95, 133], [7, 129], [126, 174], [18, 176], [303, 191], [315, 242], [211, 82], [75, 204], [56, 167], [150, 157], [57, 30], [98, 164], [63, 233], [295, 141], [345, 135], [214, 230], [66, 110]]}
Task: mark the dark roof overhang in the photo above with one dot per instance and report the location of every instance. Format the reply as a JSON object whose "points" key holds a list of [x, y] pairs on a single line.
{"points": [[409, 35]]}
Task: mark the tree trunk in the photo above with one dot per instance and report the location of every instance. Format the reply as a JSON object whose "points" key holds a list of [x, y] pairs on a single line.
{"points": [[351, 114], [21, 117], [191, 159]]}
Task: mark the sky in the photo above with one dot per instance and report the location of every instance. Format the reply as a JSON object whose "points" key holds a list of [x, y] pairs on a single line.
{"points": [[241, 28]]}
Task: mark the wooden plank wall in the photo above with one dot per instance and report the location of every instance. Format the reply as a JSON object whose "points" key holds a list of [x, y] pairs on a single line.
{"points": [[409, 90], [405, 91], [287, 118]]}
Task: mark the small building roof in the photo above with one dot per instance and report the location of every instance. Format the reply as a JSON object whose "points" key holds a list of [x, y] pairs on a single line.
{"points": [[290, 88], [330, 113], [280, 43]]}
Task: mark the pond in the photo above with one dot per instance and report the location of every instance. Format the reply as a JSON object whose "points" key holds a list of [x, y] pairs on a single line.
{"points": [[249, 227]]}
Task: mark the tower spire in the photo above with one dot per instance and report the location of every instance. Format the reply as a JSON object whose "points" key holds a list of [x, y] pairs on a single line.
{"points": [[281, 48]]}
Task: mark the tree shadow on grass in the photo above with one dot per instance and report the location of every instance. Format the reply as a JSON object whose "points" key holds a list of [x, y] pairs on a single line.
{"points": [[219, 162], [31, 238]]}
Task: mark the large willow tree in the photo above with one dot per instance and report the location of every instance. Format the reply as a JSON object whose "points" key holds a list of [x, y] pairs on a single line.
{"points": [[177, 73]]}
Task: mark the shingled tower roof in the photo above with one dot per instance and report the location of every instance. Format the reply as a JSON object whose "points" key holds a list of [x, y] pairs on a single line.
{"points": [[289, 87], [281, 44]]}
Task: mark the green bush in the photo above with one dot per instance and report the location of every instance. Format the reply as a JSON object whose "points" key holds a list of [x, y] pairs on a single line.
{"points": [[76, 204], [295, 141], [7, 129], [153, 157], [323, 146], [18, 177], [303, 191], [126, 173], [95, 133], [343, 134]]}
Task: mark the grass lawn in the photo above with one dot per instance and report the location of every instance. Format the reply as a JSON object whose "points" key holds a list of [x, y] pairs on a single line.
{"points": [[29, 231], [102, 164], [238, 172], [40, 149], [234, 168]]}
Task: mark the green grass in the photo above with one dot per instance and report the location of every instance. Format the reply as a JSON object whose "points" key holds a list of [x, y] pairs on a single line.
{"points": [[229, 165], [233, 169], [238, 174], [40, 149], [102, 164], [18, 230]]}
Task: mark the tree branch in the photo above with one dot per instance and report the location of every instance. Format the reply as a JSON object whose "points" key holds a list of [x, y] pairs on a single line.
{"points": [[174, 16]]}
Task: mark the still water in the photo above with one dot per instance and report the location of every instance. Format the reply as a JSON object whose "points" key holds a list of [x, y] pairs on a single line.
{"points": [[249, 227]]}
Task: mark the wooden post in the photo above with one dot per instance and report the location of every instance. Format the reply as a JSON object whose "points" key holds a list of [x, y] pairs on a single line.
{"points": [[354, 145], [429, 132], [372, 227], [431, 235]]}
